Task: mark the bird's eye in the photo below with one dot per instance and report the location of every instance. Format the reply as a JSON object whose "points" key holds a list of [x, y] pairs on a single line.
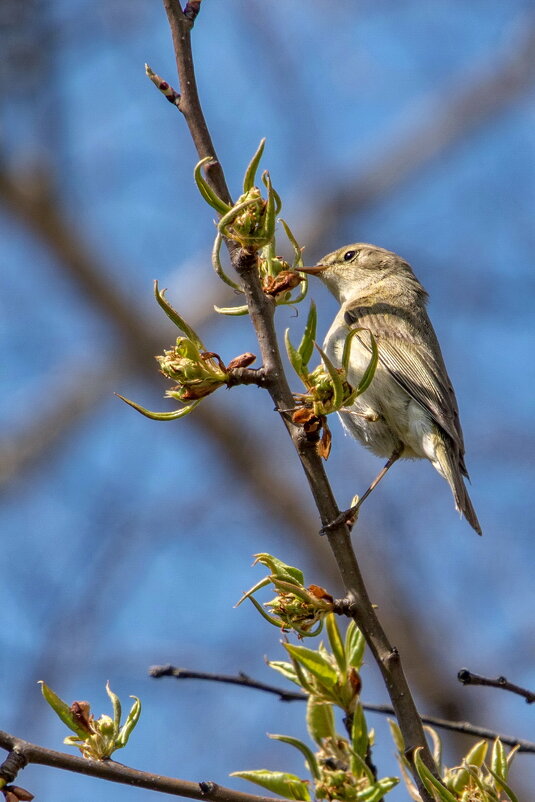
{"points": [[348, 255]]}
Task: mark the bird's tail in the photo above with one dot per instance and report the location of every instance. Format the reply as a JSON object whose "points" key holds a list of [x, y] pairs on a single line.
{"points": [[450, 468]]}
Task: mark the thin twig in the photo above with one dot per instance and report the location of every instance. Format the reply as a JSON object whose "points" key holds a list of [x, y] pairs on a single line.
{"points": [[261, 310], [116, 772], [466, 677], [245, 681]]}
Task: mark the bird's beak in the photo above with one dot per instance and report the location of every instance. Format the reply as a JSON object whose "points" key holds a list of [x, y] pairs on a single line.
{"points": [[312, 271]]}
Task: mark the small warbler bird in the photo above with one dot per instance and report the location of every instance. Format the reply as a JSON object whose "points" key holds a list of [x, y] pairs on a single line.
{"points": [[409, 410]]}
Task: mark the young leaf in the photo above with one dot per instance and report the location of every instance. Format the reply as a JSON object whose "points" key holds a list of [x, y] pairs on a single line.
{"points": [[130, 723], [320, 720], [206, 190], [317, 665], [376, 793], [235, 311], [431, 783], [250, 173], [63, 710], [272, 208], [284, 784], [359, 732], [308, 754], [503, 785], [498, 761], [306, 346], [354, 646], [271, 619], [335, 640], [173, 315], [218, 267], [477, 754], [286, 669], [338, 388], [280, 569], [294, 356], [116, 704], [437, 746], [175, 415]]}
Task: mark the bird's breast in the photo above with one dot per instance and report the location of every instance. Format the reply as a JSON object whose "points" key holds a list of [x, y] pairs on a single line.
{"points": [[385, 415]]}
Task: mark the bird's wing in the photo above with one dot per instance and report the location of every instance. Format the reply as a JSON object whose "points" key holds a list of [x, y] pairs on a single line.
{"points": [[413, 360]]}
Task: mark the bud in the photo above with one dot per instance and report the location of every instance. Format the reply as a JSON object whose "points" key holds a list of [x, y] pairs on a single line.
{"points": [[197, 373]]}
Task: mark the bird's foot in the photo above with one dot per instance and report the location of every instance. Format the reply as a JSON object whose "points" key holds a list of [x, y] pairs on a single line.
{"points": [[347, 517]]}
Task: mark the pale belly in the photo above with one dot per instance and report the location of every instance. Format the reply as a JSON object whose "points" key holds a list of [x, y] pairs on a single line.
{"points": [[385, 417]]}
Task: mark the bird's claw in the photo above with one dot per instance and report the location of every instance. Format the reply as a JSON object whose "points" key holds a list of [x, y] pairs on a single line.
{"points": [[347, 517]]}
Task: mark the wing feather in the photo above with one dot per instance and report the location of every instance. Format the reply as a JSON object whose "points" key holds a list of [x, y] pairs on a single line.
{"points": [[409, 349]]}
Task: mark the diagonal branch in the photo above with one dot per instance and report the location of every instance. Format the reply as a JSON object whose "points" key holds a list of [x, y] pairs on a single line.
{"points": [[22, 752], [261, 310]]}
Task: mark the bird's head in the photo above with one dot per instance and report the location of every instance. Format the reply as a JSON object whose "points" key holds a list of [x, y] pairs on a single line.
{"points": [[365, 270]]}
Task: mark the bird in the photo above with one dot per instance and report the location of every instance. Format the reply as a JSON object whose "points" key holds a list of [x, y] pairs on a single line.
{"points": [[409, 410]]}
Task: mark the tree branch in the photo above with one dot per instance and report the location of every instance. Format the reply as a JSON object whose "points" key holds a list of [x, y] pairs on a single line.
{"points": [[245, 681], [261, 310], [115, 772], [467, 678]]}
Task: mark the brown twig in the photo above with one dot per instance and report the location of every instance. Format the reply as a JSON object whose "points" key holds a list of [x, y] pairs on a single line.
{"points": [[245, 681], [466, 677], [26, 752], [261, 310]]}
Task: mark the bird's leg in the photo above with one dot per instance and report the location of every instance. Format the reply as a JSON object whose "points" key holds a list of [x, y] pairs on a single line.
{"points": [[346, 516]]}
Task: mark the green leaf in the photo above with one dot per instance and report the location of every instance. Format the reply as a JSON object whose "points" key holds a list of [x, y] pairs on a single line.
{"points": [[359, 732], [287, 785], [272, 208], [354, 646], [498, 760], [270, 618], [173, 315], [430, 781], [206, 190], [317, 665], [218, 267], [63, 711], [280, 569], [338, 387], [437, 746], [306, 346], [358, 767], [116, 704], [503, 785], [235, 311], [335, 640], [178, 413], [320, 720], [397, 737], [130, 723], [259, 585], [477, 754], [308, 754], [294, 356], [250, 173], [376, 793], [369, 373], [286, 669], [298, 254]]}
